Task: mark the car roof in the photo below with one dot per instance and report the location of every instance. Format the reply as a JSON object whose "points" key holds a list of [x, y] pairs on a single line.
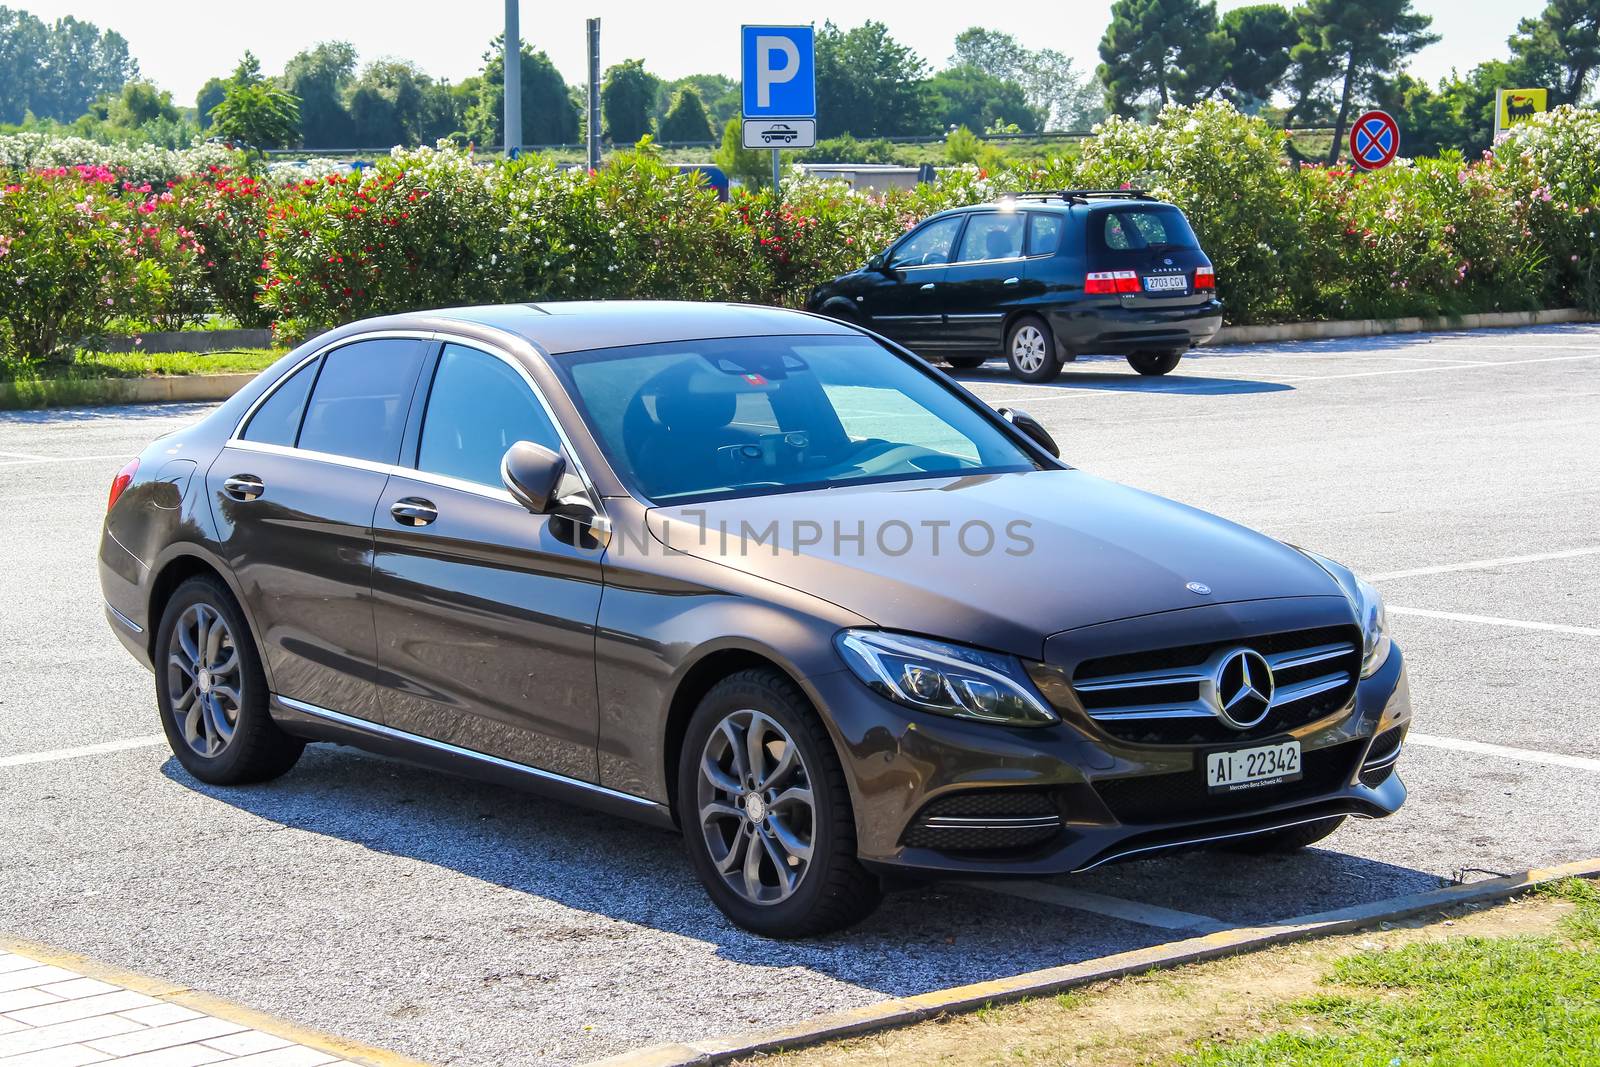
{"points": [[582, 325]]}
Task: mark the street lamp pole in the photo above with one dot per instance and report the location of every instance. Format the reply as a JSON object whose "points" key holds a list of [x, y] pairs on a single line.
{"points": [[513, 81]]}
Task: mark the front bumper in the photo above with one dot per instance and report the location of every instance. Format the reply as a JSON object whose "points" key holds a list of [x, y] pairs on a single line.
{"points": [[1113, 327], [904, 767]]}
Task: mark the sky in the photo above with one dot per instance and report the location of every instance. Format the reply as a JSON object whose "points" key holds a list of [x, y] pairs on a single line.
{"points": [[181, 43]]}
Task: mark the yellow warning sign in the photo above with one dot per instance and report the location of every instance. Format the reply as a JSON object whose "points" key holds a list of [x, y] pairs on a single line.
{"points": [[1518, 105]]}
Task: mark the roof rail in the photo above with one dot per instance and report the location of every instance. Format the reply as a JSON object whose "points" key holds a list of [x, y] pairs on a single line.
{"points": [[1081, 196]]}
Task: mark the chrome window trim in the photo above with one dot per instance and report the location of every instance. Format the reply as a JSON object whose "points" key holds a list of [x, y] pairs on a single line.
{"points": [[412, 472], [456, 750]]}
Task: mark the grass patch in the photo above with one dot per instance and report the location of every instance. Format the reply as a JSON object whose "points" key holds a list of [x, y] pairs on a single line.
{"points": [[99, 365], [1505, 1001]]}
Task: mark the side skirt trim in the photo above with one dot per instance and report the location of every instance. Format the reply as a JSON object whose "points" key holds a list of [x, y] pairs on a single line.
{"points": [[643, 806]]}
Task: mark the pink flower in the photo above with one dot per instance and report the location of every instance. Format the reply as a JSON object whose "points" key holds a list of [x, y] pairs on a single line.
{"points": [[147, 207]]}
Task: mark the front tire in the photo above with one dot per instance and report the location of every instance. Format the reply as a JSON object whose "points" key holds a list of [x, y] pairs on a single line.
{"points": [[766, 812], [1154, 363], [1031, 350], [1291, 839], [212, 692]]}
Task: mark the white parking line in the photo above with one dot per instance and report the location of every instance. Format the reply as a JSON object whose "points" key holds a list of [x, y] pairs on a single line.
{"points": [[1484, 564], [149, 741], [1100, 904], [1431, 370], [1492, 620], [1527, 755]]}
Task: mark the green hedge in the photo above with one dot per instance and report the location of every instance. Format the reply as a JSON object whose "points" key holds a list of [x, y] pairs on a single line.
{"points": [[427, 228]]}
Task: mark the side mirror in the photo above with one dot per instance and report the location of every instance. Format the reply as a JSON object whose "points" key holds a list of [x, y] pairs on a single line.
{"points": [[1032, 428], [879, 262], [532, 473]]}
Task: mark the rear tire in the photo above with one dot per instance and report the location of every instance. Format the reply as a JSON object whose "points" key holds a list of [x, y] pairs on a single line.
{"points": [[1292, 839], [791, 807], [966, 362], [1154, 363], [1031, 351], [212, 692]]}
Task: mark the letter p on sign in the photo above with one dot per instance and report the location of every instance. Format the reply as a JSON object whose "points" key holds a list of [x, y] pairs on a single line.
{"points": [[779, 72]]}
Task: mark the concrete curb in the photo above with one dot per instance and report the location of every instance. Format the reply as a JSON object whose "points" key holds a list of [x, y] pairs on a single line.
{"points": [[169, 389], [1320, 331], [172, 993], [185, 341], [906, 1010]]}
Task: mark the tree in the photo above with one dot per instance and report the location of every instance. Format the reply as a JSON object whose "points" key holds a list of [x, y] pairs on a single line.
{"points": [[1259, 39], [1349, 44], [258, 114], [1161, 52], [626, 96], [548, 113], [139, 103], [56, 71], [750, 165], [869, 84], [320, 77], [1560, 49], [966, 96], [210, 96], [686, 120], [1062, 98], [718, 92]]}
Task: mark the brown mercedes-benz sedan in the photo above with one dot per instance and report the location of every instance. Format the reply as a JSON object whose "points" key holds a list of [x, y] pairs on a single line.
{"points": [[756, 574]]}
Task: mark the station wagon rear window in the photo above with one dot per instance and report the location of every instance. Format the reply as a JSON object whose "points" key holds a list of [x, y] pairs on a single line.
{"points": [[1139, 229]]}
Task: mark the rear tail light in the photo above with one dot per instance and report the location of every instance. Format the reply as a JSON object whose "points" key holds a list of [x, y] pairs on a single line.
{"points": [[1106, 282], [1205, 278], [123, 479]]}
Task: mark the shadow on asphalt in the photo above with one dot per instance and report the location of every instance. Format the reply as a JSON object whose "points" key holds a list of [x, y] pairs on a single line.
{"points": [[1072, 377], [119, 414], [923, 938]]}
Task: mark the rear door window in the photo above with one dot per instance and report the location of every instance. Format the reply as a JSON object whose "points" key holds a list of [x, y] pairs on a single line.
{"points": [[993, 235], [1044, 234], [1143, 229], [359, 405]]}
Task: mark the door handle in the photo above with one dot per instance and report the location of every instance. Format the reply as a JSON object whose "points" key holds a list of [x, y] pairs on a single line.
{"points": [[245, 487], [1012, 281], [927, 287], [413, 511]]}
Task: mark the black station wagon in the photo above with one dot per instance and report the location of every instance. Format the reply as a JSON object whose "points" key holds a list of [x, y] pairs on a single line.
{"points": [[1044, 277]]}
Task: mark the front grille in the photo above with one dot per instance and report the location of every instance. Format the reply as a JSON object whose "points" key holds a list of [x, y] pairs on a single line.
{"points": [[1184, 796], [1381, 757], [1159, 697], [993, 820]]}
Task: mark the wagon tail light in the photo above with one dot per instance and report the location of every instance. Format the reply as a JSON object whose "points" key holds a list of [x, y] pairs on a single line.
{"points": [[1205, 278], [123, 479], [1111, 282]]}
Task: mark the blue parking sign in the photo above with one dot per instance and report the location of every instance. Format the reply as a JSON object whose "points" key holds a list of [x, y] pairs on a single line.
{"points": [[780, 72]]}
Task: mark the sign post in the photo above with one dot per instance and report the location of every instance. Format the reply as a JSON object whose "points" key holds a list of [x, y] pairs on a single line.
{"points": [[1374, 140], [779, 70], [1512, 106]]}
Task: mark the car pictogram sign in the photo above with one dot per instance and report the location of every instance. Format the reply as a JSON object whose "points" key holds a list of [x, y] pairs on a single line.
{"points": [[1374, 140]]}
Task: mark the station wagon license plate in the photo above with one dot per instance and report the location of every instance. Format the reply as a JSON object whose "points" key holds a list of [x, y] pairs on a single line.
{"points": [[1251, 768], [1165, 283]]}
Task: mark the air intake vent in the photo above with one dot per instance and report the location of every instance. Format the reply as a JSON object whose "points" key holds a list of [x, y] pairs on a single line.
{"points": [[988, 821]]}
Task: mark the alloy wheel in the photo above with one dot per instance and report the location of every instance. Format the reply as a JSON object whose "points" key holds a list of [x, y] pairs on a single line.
{"points": [[204, 680], [757, 814], [1028, 350]]}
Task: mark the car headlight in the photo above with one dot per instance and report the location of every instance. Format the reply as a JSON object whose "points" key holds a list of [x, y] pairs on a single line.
{"points": [[1375, 642], [1368, 604], [944, 678]]}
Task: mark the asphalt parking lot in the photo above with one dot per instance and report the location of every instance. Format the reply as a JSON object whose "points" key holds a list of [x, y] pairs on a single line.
{"points": [[459, 923]]}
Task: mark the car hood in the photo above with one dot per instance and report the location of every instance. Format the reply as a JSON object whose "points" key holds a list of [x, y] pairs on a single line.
{"points": [[1002, 561]]}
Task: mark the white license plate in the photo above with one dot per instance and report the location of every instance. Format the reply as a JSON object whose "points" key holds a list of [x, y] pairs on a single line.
{"points": [[1252, 768], [1164, 283]]}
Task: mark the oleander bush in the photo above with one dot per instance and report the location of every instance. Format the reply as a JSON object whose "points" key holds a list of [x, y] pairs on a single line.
{"points": [[167, 238]]}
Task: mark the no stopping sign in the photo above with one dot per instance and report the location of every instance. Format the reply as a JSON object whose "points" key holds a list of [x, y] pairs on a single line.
{"points": [[1374, 140]]}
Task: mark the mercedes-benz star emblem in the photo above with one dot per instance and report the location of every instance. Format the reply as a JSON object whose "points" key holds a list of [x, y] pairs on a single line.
{"points": [[1198, 587], [1243, 689]]}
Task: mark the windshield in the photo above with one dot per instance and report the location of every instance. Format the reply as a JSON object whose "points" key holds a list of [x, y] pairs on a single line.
{"points": [[687, 420]]}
